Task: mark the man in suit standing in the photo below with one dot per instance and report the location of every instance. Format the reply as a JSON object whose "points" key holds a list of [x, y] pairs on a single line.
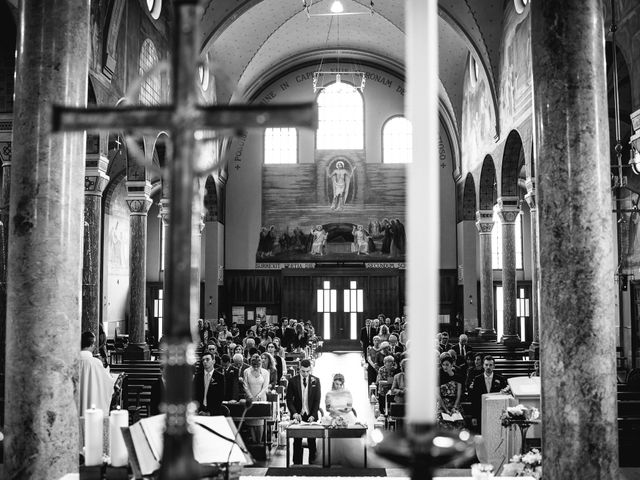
{"points": [[303, 401], [208, 387], [366, 335], [486, 382]]}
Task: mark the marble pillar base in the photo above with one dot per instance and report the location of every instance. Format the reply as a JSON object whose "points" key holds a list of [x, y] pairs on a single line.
{"points": [[488, 333], [510, 340], [137, 351]]}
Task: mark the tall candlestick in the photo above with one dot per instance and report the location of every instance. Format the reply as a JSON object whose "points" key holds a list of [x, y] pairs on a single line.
{"points": [[93, 428], [423, 175], [117, 449]]}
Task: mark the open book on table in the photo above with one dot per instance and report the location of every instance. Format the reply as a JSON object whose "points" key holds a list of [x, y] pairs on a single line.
{"points": [[454, 417], [144, 441]]}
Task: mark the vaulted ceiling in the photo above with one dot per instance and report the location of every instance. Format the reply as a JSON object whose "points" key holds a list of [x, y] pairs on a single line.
{"points": [[251, 41]]}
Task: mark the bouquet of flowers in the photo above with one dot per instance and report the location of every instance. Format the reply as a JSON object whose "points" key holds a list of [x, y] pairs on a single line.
{"points": [[518, 414], [338, 422], [526, 465]]}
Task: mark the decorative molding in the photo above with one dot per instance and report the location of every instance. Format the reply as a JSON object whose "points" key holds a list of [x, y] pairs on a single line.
{"points": [[138, 197], [95, 182], [508, 209], [5, 154], [484, 221]]}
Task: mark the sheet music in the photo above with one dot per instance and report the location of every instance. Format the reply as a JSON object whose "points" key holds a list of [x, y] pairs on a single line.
{"points": [[209, 448]]}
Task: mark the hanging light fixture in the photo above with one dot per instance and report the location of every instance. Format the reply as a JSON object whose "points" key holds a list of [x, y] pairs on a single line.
{"points": [[336, 9], [323, 78]]}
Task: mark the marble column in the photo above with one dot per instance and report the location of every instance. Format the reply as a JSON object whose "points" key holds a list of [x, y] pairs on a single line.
{"points": [[530, 198], [484, 224], [508, 210], [197, 218], [44, 280], [163, 215], [4, 230], [95, 181], [577, 289], [139, 202]]}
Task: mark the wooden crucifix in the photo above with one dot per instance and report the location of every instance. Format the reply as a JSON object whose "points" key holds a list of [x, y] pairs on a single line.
{"points": [[182, 119]]}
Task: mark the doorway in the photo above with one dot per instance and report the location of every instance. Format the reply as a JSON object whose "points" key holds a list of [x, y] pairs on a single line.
{"points": [[339, 306]]}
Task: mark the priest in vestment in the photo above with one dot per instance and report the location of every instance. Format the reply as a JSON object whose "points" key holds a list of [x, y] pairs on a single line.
{"points": [[96, 384]]}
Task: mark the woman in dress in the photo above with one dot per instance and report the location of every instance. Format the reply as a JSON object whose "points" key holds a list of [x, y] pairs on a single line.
{"points": [[339, 406], [450, 394], [256, 385], [384, 333], [269, 364], [372, 366]]}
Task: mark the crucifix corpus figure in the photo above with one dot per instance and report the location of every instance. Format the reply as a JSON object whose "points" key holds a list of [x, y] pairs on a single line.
{"points": [[182, 118]]}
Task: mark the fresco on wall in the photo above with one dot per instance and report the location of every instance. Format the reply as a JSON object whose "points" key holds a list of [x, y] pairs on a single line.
{"points": [[477, 119], [516, 79], [338, 208]]}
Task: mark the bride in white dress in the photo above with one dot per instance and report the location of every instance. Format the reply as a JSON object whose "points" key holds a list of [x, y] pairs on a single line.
{"points": [[347, 452]]}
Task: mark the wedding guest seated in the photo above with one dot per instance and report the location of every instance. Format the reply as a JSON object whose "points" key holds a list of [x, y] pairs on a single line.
{"points": [[474, 369], [450, 394], [96, 384]]}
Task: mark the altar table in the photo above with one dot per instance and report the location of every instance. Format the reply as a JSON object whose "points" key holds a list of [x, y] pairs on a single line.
{"points": [[310, 430]]}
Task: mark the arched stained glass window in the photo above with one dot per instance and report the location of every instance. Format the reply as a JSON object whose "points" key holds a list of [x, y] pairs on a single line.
{"points": [[150, 88]]}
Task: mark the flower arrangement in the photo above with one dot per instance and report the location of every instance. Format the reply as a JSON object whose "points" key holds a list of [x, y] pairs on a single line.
{"points": [[338, 422], [518, 414], [523, 465]]}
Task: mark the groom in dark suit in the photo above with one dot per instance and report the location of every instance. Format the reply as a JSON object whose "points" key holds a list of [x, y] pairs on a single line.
{"points": [[303, 401], [486, 382]]}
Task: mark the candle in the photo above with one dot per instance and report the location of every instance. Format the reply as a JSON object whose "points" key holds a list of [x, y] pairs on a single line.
{"points": [[93, 427], [423, 255], [117, 449]]}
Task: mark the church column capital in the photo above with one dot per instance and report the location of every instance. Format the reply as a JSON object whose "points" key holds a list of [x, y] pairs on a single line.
{"points": [[508, 209], [138, 197], [95, 177], [530, 197], [484, 221]]}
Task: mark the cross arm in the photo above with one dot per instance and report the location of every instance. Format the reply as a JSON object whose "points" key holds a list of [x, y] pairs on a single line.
{"points": [[69, 119], [259, 116]]}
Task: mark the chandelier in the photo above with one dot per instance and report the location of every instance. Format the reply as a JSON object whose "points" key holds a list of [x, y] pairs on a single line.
{"points": [[322, 77]]}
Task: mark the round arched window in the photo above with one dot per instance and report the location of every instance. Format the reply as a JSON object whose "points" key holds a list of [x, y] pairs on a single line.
{"points": [[155, 7], [520, 5]]}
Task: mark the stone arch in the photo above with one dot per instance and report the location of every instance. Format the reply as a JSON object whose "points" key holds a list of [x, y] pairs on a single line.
{"points": [[512, 162], [211, 200], [488, 193], [467, 203]]}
